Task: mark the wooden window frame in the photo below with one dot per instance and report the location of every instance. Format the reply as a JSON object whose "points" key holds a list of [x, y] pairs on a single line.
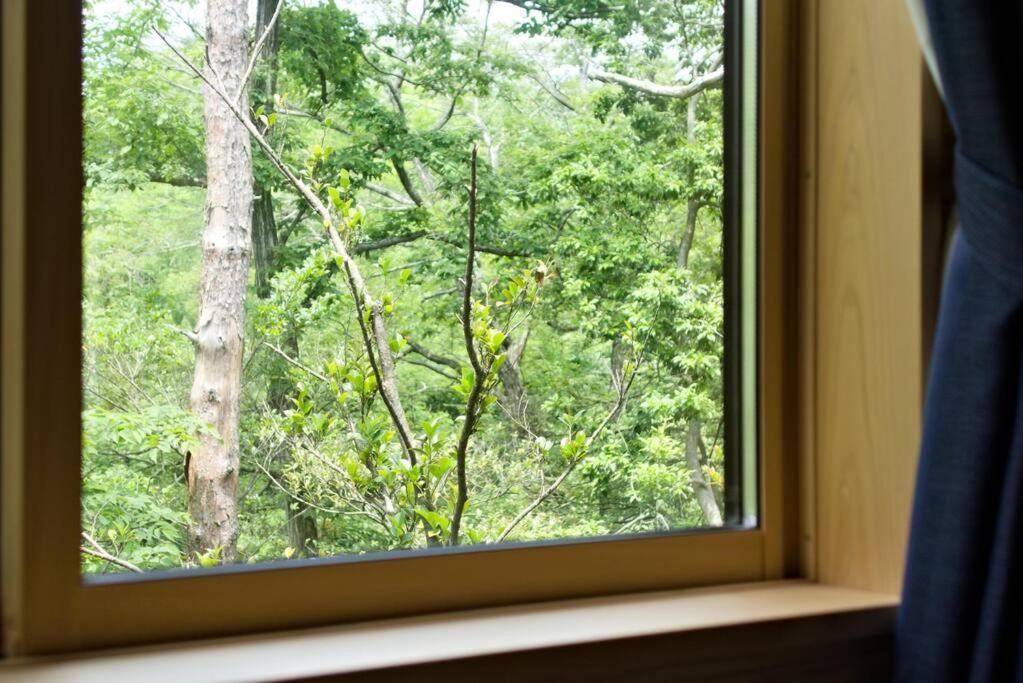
{"points": [[49, 609]]}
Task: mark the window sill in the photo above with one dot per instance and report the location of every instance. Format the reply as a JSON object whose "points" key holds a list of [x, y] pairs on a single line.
{"points": [[798, 617]]}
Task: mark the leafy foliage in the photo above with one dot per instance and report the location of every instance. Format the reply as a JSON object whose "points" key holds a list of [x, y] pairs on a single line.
{"points": [[598, 354]]}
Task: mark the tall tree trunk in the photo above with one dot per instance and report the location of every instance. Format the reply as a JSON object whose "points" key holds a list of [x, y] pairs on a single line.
{"points": [[704, 493], [686, 244], [264, 238], [301, 524], [693, 207], [226, 242], [701, 487], [264, 228]]}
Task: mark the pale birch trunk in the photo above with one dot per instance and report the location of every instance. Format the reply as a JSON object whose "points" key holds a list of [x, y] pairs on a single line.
{"points": [[226, 244], [693, 206], [701, 487]]}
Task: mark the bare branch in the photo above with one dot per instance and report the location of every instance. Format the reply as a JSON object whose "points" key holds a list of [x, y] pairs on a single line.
{"points": [[488, 139], [443, 292], [322, 118], [447, 114], [385, 242], [177, 181], [433, 357], [291, 361], [406, 181], [623, 385], [303, 501], [552, 6], [190, 336], [698, 85], [390, 194], [470, 265], [255, 53], [97, 551], [488, 249], [430, 366], [553, 91], [183, 88], [375, 336]]}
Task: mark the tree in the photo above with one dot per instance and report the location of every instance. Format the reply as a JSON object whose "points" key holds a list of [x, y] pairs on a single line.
{"points": [[267, 243], [590, 289], [212, 468]]}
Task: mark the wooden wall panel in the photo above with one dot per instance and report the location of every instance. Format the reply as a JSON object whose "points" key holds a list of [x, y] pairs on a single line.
{"points": [[867, 283]]}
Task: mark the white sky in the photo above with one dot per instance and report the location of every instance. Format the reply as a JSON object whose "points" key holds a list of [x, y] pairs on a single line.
{"points": [[501, 13], [369, 12]]}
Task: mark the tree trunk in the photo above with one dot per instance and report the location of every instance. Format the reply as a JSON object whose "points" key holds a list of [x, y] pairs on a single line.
{"points": [[512, 386], [686, 244], [264, 228], [704, 493], [701, 487], [226, 242], [301, 524], [693, 207], [620, 349], [303, 535], [264, 238]]}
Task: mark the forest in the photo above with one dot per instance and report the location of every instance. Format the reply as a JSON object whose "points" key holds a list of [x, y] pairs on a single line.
{"points": [[377, 275]]}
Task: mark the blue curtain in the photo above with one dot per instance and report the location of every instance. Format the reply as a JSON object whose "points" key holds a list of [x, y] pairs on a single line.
{"points": [[962, 610]]}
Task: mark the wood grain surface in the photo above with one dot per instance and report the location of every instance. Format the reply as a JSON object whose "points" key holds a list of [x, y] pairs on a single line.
{"points": [[867, 289]]}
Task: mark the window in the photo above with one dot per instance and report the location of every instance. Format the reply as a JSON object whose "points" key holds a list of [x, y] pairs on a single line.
{"points": [[617, 405], [230, 418]]}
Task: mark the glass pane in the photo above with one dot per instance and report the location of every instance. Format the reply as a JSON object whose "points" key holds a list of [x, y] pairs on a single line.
{"points": [[442, 273]]}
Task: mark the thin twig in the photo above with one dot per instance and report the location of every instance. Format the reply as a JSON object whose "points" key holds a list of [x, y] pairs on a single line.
{"points": [[613, 414], [97, 551], [429, 366], [255, 53], [111, 401], [190, 336], [280, 352], [472, 404], [431, 356], [375, 334], [296, 497]]}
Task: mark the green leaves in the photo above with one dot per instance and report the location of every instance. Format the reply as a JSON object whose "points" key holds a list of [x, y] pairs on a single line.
{"points": [[335, 197], [153, 433], [441, 467], [493, 339], [397, 343], [210, 558], [437, 521], [573, 448], [595, 193], [463, 387]]}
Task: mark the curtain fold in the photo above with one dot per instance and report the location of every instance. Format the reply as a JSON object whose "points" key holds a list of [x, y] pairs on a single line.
{"points": [[961, 617]]}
